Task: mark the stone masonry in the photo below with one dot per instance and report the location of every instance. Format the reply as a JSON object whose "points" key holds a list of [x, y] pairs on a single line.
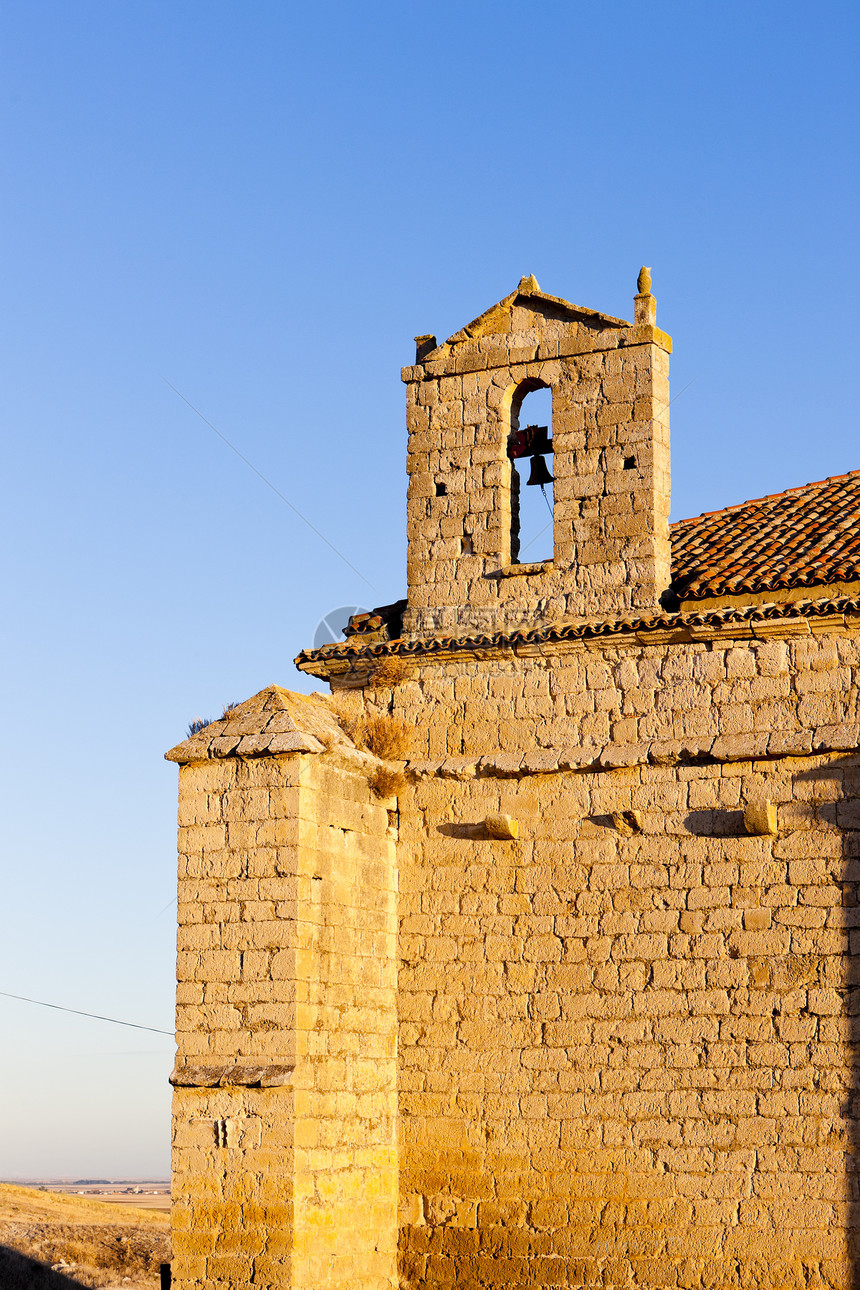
{"points": [[525, 957], [284, 1166], [610, 427]]}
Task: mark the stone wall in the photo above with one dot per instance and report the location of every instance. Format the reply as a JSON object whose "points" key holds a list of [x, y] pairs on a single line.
{"points": [[610, 430], [285, 1173], [621, 1046], [626, 1046], [626, 1055], [764, 695]]}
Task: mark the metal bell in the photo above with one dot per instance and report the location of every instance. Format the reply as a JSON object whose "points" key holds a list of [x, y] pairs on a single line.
{"points": [[540, 472], [529, 440], [538, 440]]}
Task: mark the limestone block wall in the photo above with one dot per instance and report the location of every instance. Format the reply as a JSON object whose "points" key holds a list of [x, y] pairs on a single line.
{"points": [[620, 1048], [627, 1037], [629, 1057], [732, 696], [610, 431], [284, 1172]]}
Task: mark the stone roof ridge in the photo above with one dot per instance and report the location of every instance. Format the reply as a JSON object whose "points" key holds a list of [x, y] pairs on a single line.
{"points": [[272, 721], [527, 293]]}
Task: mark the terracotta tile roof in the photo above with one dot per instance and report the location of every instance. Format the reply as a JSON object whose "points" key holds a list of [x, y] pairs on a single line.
{"points": [[804, 537]]}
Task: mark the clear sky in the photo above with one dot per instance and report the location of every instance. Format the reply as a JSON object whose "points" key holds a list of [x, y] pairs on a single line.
{"points": [[262, 203]]}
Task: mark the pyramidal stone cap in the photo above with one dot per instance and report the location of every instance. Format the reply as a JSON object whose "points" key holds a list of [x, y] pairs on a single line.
{"points": [[270, 722]]}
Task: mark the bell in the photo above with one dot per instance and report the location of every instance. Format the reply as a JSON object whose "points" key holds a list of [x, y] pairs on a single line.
{"points": [[529, 440], [538, 440], [539, 472]]}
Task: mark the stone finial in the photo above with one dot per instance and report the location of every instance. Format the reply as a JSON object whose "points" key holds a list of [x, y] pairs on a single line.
{"points": [[528, 285], [423, 346], [644, 305]]}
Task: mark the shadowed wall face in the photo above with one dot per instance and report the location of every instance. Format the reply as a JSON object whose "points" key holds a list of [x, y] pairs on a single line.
{"points": [[285, 1173]]}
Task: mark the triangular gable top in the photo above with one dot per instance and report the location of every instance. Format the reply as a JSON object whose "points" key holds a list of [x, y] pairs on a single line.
{"points": [[528, 295]]}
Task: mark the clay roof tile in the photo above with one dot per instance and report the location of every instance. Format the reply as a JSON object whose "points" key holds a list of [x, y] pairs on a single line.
{"points": [[802, 537]]}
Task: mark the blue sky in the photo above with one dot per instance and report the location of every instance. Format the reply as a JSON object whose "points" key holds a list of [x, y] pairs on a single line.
{"points": [[262, 204]]}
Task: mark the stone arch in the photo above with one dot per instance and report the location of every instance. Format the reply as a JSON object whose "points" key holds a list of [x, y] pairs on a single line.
{"points": [[526, 528]]}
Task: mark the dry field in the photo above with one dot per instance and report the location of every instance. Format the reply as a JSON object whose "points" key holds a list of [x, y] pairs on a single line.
{"points": [[50, 1241]]}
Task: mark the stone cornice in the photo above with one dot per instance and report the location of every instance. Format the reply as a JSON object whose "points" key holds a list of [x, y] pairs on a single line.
{"points": [[490, 352], [353, 663]]}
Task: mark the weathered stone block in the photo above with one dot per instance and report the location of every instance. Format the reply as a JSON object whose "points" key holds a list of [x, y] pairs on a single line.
{"points": [[760, 817], [502, 826]]}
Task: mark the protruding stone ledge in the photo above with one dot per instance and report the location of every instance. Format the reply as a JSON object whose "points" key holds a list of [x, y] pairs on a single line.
{"points": [[457, 768], [760, 819], [349, 665], [705, 751], [520, 570], [502, 827], [620, 756], [238, 1074], [627, 822], [501, 764], [744, 747]]}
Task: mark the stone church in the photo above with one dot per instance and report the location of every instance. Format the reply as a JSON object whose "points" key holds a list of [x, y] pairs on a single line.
{"points": [[523, 958]]}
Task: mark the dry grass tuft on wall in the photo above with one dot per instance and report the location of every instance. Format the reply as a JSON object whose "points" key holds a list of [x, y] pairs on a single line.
{"points": [[386, 737], [385, 781], [389, 672]]}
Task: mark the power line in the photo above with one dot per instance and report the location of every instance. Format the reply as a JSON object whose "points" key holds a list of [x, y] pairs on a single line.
{"points": [[96, 1016], [269, 484], [170, 902]]}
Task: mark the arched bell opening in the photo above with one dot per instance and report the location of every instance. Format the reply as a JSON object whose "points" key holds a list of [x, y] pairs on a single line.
{"points": [[530, 453]]}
